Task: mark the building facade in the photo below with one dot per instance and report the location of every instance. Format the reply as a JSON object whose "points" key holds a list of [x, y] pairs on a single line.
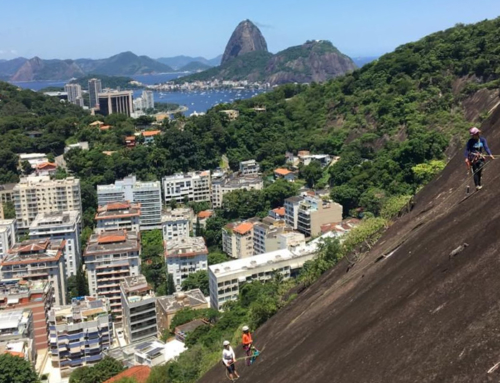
{"points": [[237, 239], [109, 258], [36, 259], [177, 223], [185, 256], [79, 333], [33, 195], [95, 87], [74, 94], [148, 101], [64, 225], [118, 216], [314, 212], [193, 186], [116, 103], [249, 167], [7, 235], [225, 279], [223, 185], [148, 194], [292, 211], [139, 308], [17, 334], [37, 296]]}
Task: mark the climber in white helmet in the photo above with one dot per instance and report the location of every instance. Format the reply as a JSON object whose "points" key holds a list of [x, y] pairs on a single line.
{"points": [[229, 360]]}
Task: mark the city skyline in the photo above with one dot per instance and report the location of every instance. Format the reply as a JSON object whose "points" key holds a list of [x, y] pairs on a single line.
{"points": [[359, 28]]}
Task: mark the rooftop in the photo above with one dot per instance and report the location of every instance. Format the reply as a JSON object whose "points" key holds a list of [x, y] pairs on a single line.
{"points": [[14, 322], [7, 187], [34, 251], [279, 211], [136, 288], [118, 210], [45, 181], [82, 309], [180, 176], [185, 247], [243, 228], [177, 214], [46, 165], [113, 241], [205, 214], [151, 133], [173, 303], [13, 290], [70, 217], [294, 199], [139, 373], [282, 171]]}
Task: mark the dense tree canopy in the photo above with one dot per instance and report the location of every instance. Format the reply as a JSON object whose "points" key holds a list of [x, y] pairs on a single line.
{"points": [[16, 369]]}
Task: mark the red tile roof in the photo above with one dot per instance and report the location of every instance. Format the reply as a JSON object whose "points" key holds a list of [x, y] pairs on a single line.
{"points": [[111, 238], [205, 214], [46, 165], [139, 373], [279, 211], [151, 133], [243, 228], [282, 172]]}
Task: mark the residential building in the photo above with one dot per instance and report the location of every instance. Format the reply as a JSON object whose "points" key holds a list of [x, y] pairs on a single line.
{"points": [[314, 212], [185, 256], [74, 93], [183, 330], [6, 193], [95, 87], [224, 185], [7, 235], [167, 306], [17, 334], [232, 114], [36, 259], [177, 223], [116, 102], [149, 136], [109, 258], [237, 239], [226, 279], [130, 141], [46, 169], [292, 211], [139, 308], [35, 295], [148, 194], [340, 228], [148, 101], [291, 240], [305, 158], [118, 216], [84, 145], [61, 225], [266, 236], [249, 167], [202, 218], [33, 158], [79, 333], [193, 186], [277, 214], [33, 195], [285, 174]]}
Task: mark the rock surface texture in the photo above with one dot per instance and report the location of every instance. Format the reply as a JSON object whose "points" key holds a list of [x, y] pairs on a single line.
{"points": [[246, 38]]}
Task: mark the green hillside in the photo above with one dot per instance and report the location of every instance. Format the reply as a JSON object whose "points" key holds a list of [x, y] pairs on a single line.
{"points": [[128, 63]]}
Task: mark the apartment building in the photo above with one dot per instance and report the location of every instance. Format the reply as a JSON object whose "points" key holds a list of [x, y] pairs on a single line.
{"points": [[271, 237], [167, 306], [79, 333], [314, 212], [291, 240], [17, 334], [7, 235], [74, 94], [95, 87], [33, 195], [118, 216], [249, 167], [148, 194], [177, 223], [36, 259], [6, 193], [64, 225], [292, 211], [185, 256], [237, 239], [139, 308], [223, 185], [193, 186], [109, 258], [37, 296], [226, 279]]}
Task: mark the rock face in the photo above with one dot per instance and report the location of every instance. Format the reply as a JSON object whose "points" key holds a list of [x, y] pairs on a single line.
{"points": [[38, 69], [245, 38]]}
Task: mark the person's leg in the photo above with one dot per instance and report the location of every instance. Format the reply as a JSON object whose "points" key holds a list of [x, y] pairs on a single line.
{"points": [[477, 173]]}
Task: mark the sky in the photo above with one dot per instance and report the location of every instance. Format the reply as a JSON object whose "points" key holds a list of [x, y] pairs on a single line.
{"points": [[165, 28]]}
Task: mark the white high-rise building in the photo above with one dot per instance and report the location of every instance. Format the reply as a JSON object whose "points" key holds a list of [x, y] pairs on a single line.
{"points": [[74, 93], [40, 194], [118, 216], [185, 256], [7, 235], [61, 225], [177, 223], [95, 87], [193, 186], [148, 194], [109, 258], [148, 101]]}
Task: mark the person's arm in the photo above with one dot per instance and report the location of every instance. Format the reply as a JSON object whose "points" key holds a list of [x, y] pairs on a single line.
{"points": [[467, 150], [486, 148]]}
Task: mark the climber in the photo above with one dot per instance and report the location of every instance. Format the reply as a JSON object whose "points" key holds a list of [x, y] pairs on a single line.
{"points": [[229, 360], [247, 342], [474, 156]]}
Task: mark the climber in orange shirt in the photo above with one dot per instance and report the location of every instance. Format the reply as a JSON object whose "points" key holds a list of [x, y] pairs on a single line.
{"points": [[247, 342]]}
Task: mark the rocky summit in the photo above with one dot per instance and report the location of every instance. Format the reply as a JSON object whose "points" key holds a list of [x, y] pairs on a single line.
{"points": [[246, 38]]}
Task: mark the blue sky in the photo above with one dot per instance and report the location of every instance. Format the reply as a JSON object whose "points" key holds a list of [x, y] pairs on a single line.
{"points": [[164, 28]]}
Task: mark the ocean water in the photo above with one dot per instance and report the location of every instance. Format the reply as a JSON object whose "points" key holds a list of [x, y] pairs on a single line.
{"points": [[195, 101]]}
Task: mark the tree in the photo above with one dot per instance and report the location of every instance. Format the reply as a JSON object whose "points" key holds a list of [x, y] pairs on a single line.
{"points": [[9, 211], [16, 369], [26, 166], [198, 280], [217, 257], [312, 173], [276, 193], [100, 372], [170, 284]]}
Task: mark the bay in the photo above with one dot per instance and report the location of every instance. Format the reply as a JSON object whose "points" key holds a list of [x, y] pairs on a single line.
{"points": [[194, 101]]}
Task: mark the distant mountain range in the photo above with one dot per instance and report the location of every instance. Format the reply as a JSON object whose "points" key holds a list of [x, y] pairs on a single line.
{"points": [[360, 61], [246, 58], [180, 62]]}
